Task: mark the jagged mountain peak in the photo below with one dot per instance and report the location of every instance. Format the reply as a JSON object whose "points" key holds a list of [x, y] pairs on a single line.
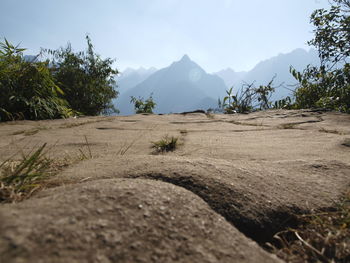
{"points": [[185, 58], [185, 64], [182, 86]]}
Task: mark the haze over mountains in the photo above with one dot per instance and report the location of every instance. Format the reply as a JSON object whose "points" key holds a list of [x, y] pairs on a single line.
{"points": [[185, 86]]}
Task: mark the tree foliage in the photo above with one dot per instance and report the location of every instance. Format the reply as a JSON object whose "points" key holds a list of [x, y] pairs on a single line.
{"points": [[328, 86], [87, 79], [27, 88], [332, 32]]}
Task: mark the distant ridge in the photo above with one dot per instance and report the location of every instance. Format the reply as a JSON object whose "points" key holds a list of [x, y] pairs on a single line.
{"points": [[230, 76], [265, 70], [129, 78]]}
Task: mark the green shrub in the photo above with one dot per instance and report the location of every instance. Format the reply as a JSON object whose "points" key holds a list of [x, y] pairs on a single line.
{"points": [[323, 89], [28, 90], [86, 79], [143, 106], [247, 99]]}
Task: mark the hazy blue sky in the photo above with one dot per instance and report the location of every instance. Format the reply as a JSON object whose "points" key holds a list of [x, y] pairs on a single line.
{"points": [[215, 33]]}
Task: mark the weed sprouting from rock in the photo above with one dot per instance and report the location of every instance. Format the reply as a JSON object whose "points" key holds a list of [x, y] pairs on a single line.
{"points": [[166, 144], [19, 179]]}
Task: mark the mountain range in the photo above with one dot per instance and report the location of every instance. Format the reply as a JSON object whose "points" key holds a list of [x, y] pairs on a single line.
{"points": [[185, 86], [129, 78], [277, 67]]}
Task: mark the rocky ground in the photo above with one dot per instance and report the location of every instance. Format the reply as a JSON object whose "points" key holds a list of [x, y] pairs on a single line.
{"points": [[231, 184]]}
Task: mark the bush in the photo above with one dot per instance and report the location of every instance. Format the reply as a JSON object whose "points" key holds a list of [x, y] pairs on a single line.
{"points": [[27, 88], [244, 100], [86, 79], [142, 106], [321, 89]]}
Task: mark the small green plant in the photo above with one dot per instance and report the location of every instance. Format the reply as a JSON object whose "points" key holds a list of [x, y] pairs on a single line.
{"points": [[19, 179], [239, 103], [166, 144], [143, 106]]}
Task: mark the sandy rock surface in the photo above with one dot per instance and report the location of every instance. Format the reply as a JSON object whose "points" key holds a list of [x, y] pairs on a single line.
{"points": [[233, 179], [122, 220]]}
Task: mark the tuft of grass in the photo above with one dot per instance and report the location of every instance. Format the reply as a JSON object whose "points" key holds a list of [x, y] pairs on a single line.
{"points": [[126, 147], [19, 179], [320, 237], [166, 144], [87, 156]]}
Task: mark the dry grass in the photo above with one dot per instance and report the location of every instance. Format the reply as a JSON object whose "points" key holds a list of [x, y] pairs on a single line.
{"points": [[321, 237], [21, 178], [127, 146]]}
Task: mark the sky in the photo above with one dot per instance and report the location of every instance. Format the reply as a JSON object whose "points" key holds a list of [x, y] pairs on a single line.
{"points": [[216, 34]]}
